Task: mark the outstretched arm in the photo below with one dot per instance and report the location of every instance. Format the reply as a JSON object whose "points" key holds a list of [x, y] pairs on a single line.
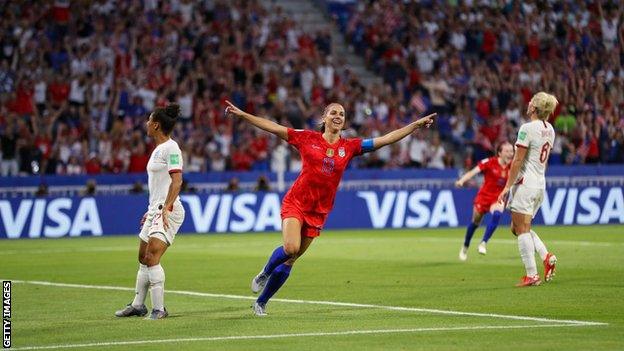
{"points": [[259, 122], [467, 176], [401, 133]]}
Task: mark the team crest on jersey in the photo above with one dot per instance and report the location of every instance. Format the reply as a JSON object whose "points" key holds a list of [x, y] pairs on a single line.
{"points": [[330, 152], [341, 152]]}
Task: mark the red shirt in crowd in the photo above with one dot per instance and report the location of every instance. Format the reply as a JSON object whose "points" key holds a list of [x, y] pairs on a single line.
{"points": [[482, 107], [259, 147], [138, 163], [44, 144], [59, 92], [24, 101], [242, 160], [93, 166], [60, 11], [489, 42]]}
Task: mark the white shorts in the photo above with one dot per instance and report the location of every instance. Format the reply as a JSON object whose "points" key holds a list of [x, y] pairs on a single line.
{"points": [[153, 225], [525, 200]]}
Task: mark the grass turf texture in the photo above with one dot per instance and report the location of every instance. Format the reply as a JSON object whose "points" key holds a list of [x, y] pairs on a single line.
{"points": [[411, 268]]}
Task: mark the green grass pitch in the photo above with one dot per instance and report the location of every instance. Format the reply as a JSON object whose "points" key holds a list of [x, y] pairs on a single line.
{"points": [[415, 269]]}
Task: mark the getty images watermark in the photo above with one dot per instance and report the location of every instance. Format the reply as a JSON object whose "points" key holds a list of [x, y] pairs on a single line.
{"points": [[6, 314]]}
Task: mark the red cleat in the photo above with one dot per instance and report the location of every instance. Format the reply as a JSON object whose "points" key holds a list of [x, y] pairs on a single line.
{"points": [[549, 266], [529, 281]]}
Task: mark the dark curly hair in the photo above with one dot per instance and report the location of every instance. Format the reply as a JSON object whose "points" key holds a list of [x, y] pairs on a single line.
{"points": [[167, 117]]}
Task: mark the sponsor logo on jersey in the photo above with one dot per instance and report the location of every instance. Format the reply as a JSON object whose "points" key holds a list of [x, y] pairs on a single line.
{"points": [[341, 152], [330, 152]]}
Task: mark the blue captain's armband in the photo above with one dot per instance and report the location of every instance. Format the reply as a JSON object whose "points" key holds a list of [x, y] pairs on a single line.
{"points": [[367, 145]]}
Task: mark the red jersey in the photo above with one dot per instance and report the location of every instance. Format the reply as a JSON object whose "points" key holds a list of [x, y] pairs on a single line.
{"points": [[495, 178], [315, 188]]}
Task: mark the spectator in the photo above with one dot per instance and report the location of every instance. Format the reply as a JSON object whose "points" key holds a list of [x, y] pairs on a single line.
{"points": [[417, 150], [42, 190], [137, 188], [8, 149], [90, 188], [138, 159], [196, 160], [263, 184], [435, 153], [233, 185], [93, 165]]}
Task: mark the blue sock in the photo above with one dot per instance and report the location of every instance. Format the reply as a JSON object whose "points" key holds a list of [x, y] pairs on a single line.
{"points": [[469, 233], [277, 279], [491, 227], [278, 257]]}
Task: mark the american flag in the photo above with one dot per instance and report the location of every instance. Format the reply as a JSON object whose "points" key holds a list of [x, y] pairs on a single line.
{"points": [[418, 103]]}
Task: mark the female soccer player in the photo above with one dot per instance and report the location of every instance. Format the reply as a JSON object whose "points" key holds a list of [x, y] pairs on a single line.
{"points": [[164, 215], [528, 184], [495, 170], [305, 207]]}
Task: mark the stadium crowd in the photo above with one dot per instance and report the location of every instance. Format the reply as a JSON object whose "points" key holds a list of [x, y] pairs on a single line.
{"points": [[78, 80], [477, 63]]}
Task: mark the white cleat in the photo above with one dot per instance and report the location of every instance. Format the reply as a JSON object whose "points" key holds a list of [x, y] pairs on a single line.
{"points": [[463, 253], [259, 309], [259, 282], [483, 248]]}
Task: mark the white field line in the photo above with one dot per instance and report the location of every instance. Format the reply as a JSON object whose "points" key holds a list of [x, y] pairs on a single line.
{"points": [[327, 303], [281, 336]]}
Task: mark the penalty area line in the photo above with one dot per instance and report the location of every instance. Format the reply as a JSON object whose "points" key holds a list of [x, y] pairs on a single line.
{"points": [[281, 336], [327, 303]]}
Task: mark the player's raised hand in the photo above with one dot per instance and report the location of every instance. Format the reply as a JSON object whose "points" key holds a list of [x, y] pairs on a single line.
{"points": [[426, 121], [459, 183], [232, 109]]}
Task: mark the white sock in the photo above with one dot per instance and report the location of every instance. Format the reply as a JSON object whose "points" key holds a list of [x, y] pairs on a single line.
{"points": [[142, 284], [539, 245], [527, 253], [157, 286]]}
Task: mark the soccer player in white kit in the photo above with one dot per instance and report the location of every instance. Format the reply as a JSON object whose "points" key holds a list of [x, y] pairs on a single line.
{"points": [[527, 184], [164, 215]]}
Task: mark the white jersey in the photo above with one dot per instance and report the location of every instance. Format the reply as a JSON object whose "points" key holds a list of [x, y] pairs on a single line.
{"points": [[538, 137], [165, 159]]}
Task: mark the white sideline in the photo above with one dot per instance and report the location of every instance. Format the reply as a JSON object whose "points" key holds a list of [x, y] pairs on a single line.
{"points": [[280, 336], [328, 303]]}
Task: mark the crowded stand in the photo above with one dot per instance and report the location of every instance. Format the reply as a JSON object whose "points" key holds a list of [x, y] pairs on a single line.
{"points": [[478, 63], [78, 80]]}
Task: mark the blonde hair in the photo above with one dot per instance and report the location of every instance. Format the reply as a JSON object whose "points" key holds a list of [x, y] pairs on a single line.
{"points": [[544, 104]]}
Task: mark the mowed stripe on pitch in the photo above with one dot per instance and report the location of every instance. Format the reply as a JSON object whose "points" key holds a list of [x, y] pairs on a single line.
{"points": [[281, 336], [326, 303]]}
